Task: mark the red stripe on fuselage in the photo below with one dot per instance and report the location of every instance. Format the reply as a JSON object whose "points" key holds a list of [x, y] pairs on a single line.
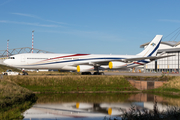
{"points": [[68, 56], [138, 63]]}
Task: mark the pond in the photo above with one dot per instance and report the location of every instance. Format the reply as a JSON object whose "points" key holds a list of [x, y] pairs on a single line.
{"points": [[101, 106]]}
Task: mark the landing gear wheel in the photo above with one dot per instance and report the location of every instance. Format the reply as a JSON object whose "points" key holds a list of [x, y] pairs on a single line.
{"points": [[98, 73], [86, 73], [101, 73], [25, 73]]}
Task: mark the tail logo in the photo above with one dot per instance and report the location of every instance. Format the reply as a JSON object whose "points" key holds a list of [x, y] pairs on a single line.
{"points": [[153, 44]]}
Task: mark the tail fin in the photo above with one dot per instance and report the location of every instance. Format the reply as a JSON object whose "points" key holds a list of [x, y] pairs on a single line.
{"points": [[152, 48]]}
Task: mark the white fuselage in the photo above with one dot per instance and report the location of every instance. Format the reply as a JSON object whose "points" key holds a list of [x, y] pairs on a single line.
{"points": [[65, 61], [84, 62]]}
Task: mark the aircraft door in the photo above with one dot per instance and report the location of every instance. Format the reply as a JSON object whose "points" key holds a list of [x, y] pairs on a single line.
{"points": [[23, 58]]}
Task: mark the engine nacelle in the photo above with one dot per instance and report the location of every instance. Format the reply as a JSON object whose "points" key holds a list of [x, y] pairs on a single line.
{"points": [[117, 64], [84, 105], [114, 111], [84, 68]]}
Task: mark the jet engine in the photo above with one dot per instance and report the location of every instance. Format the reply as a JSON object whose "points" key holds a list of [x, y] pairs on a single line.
{"points": [[114, 111], [84, 68], [116, 64], [84, 105]]}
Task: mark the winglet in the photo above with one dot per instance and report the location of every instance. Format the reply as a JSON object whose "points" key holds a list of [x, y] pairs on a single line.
{"points": [[152, 48]]}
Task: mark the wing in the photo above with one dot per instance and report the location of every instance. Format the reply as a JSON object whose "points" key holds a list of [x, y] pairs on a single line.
{"points": [[128, 60], [143, 58]]}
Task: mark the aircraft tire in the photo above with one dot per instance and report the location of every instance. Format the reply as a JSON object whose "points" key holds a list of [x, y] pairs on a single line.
{"points": [[98, 73], [89, 73], [86, 73], [25, 73], [101, 73]]}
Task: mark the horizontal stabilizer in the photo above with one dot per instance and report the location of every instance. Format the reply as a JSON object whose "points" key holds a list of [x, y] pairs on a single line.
{"points": [[162, 53]]}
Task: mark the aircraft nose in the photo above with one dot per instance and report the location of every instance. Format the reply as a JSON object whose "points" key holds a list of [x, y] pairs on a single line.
{"points": [[6, 62]]}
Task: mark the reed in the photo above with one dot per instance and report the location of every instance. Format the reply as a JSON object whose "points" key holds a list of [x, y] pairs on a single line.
{"points": [[171, 113], [134, 113]]}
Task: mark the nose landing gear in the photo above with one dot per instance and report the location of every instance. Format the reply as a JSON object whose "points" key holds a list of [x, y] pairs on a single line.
{"points": [[24, 72]]}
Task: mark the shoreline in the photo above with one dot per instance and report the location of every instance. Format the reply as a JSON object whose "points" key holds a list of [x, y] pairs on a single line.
{"points": [[14, 99], [30, 86], [91, 92]]}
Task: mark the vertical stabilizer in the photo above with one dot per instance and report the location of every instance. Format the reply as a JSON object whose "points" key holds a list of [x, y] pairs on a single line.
{"points": [[152, 48]]}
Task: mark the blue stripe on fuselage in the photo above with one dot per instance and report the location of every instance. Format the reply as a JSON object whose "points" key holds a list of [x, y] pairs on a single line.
{"points": [[75, 60], [86, 59]]}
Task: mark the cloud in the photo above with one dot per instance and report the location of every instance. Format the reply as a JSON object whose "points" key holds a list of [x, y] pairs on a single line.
{"points": [[56, 22], [6, 1], [26, 23], [168, 20], [33, 16], [3, 21], [94, 35], [26, 15]]}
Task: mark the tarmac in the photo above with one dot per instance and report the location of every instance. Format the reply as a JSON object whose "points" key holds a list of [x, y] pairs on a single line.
{"points": [[138, 74]]}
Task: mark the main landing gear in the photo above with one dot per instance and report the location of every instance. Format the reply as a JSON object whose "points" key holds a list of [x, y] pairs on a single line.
{"points": [[95, 73], [24, 73], [98, 73], [86, 73], [97, 69]]}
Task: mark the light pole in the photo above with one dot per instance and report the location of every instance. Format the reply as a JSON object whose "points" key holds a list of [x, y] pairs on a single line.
{"points": [[7, 47], [32, 39]]}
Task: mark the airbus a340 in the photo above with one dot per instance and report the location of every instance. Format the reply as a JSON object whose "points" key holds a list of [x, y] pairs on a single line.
{"points": [[85, 63]]}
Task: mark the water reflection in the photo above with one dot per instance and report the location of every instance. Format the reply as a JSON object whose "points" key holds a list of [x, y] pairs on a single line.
{"points": [[89, 106]]}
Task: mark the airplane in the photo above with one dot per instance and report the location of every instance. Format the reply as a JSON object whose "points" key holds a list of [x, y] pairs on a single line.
{"points": [[85, 63], [88, 111]]}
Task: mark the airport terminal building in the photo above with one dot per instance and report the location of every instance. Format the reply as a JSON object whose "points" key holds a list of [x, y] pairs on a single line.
{"points": [[170, 64]]}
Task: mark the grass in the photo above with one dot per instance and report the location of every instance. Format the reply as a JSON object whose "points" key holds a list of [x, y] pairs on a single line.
{"points": [[14, 110], [14, 100], [172, 85], [4, 68], [151, 78], [49, 73], [170, 91], [72, 83]]}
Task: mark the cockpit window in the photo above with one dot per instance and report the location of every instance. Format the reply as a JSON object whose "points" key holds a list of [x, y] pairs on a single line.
{"points": [[11, 58]]}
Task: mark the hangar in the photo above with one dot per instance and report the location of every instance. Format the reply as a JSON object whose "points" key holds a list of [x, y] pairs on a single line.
{"points": [[168, 65]]}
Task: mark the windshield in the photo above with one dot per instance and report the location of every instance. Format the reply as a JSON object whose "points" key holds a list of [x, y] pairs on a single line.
{"points": [[11, 58]]}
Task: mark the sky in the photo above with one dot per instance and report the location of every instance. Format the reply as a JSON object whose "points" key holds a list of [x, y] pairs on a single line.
{"points": [[87, 26]]}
